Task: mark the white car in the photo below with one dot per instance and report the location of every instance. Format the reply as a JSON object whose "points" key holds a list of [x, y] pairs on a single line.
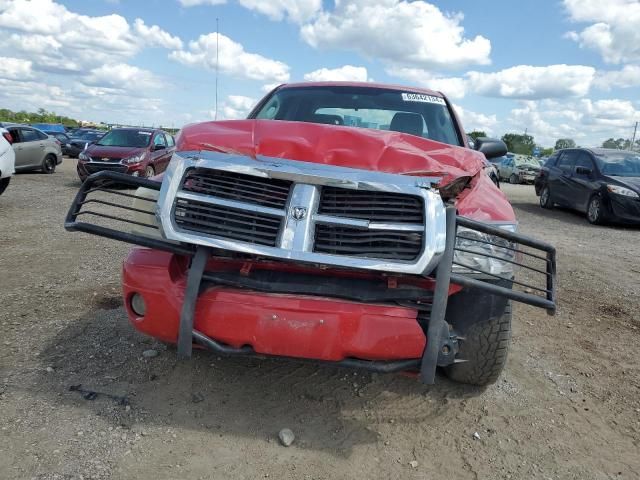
{"points": [[7, 159]]}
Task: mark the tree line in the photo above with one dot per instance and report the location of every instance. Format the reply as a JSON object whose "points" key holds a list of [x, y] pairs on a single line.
{"points": [[524, 144], [41, 116]]}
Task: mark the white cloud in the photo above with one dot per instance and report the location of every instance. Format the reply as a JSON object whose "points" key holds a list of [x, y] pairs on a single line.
{"points": [[60, 41], [346, 73], [295, 10], [233, 59], [452, 87], [15, 68], [124, 77], [155, 36], [236, 107], [528, 82], [193, 3], [410, 34], [588, 122], [266, 88], [628, 76], [614, 31], [476, 121]]}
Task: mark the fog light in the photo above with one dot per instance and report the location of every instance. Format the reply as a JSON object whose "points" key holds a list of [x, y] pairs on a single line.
{"points": [[136, 174], [137, 304]]}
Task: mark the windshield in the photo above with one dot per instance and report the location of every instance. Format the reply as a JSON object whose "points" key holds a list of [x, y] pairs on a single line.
{"points": [[126, 138], [89, 136], [417, 114], [619, 164]]}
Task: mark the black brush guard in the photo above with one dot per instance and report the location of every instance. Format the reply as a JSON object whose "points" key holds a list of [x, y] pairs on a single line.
{"points": [[82, 212]]}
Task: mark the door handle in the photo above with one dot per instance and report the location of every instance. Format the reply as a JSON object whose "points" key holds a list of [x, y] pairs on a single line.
{"points": [[42, 145]]}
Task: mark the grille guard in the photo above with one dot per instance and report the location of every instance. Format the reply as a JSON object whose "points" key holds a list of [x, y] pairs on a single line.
{"points": [[111, 183]]}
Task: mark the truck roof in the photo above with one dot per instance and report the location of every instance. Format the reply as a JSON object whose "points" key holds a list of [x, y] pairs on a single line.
{"points": [[384, 86]]}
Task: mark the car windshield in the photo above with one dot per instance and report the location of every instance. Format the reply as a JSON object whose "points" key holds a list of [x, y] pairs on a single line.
{"points": [[417, 114], [619, 164], [126, 138], [89, 136]]}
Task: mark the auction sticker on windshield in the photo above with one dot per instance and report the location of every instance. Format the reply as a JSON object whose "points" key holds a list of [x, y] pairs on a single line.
{"points": [[421, 97]]}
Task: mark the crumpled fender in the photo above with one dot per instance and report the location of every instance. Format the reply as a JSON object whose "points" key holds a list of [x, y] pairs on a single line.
{"points": [[369, 149]]}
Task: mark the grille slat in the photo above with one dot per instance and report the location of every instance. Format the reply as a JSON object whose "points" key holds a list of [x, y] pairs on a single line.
{"points": [[372, 206], [228, 223], [366, 243], [267, 192]]}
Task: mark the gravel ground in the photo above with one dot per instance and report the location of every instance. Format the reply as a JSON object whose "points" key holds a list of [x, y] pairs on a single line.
{"points": [[567, 405]]}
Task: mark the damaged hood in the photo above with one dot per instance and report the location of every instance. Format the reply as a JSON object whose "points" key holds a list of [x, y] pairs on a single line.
{"points": [[377, 150]]}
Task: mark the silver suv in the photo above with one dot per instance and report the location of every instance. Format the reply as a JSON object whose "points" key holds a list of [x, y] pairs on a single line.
{"points": [[34, 150]]}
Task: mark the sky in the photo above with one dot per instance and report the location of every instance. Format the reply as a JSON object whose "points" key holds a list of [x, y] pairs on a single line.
{"points": [[552, 68]]}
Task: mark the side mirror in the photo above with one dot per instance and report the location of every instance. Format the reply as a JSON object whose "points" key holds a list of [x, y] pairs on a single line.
{"points": [[159, 147], [583, 171], [490, 147]]}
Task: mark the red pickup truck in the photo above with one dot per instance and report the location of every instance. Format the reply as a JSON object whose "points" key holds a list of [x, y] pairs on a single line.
{"points": [[347, 223]]}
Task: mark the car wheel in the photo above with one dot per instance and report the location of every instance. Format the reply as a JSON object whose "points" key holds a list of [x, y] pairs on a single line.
{"points": [[513, 179], [4, 183], [49, 164], [484, 349], [149, 171], [595, 211], [545, 198]]}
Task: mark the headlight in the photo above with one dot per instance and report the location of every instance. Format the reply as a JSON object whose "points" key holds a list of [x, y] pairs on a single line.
{"points": [[622, 191], [82, 156], [472, 248], [134, 159]]}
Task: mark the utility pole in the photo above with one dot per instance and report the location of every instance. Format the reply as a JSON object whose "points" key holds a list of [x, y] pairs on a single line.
{"points": [[633, 140], [217, 63]]}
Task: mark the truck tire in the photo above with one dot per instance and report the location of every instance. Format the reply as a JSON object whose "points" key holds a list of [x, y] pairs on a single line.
{"points": [[485, 347], [4, 183], [545, 197]]}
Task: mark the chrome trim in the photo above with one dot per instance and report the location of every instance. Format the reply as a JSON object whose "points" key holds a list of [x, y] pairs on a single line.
{"points": [[295, 241], [196, 197]]}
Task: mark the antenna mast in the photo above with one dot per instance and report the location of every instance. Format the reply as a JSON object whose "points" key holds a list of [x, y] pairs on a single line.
{"points": [[217, 43]]}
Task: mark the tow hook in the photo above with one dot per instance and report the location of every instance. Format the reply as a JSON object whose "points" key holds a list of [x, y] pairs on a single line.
{"points": [[448, 346]]}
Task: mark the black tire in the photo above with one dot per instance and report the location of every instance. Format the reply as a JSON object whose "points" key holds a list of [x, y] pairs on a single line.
{"points": [[485, 347], [513, 179], [545, 198], [49, 164], [595, 210], [4, 183]]}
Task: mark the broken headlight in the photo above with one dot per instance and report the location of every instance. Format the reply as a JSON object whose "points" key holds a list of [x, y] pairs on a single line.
{"points": [[478, 253]]}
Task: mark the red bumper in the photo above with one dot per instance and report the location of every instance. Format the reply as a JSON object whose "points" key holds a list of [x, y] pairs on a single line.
{"points": [[272, 324]]}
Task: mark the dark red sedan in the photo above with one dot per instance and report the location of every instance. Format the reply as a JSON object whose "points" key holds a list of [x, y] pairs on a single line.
{"points": [[141, 152]]}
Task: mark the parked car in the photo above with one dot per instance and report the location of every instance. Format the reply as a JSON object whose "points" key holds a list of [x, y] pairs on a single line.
{"points": [[136, 151], [518, 169], [50, 127], [603, 183], [341, 222], [34, 149], [7, 159], [65, 142], [82, 140]]}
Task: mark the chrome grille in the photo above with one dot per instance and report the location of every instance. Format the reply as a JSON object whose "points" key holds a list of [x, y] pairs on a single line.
{"points": [[381, 207], [268, 192], [361, 242], [232, 223], [306, 212]]}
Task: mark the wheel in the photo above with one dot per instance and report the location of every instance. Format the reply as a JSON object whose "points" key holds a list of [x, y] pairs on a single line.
{"points": [[595, 211], [513, 179], [49, 164], [545, 198], [149, 171], [484, 345], [4, 183]]}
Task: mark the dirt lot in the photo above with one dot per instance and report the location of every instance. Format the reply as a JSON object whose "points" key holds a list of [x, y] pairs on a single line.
{"points": [[567, 406]]}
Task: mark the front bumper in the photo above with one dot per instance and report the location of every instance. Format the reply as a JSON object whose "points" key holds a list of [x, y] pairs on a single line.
{"points": [[85, 168], [320, 328], [625, 209]]}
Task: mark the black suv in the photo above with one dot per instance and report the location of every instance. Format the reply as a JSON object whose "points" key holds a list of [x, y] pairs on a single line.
{"points": [[603, 183]]}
